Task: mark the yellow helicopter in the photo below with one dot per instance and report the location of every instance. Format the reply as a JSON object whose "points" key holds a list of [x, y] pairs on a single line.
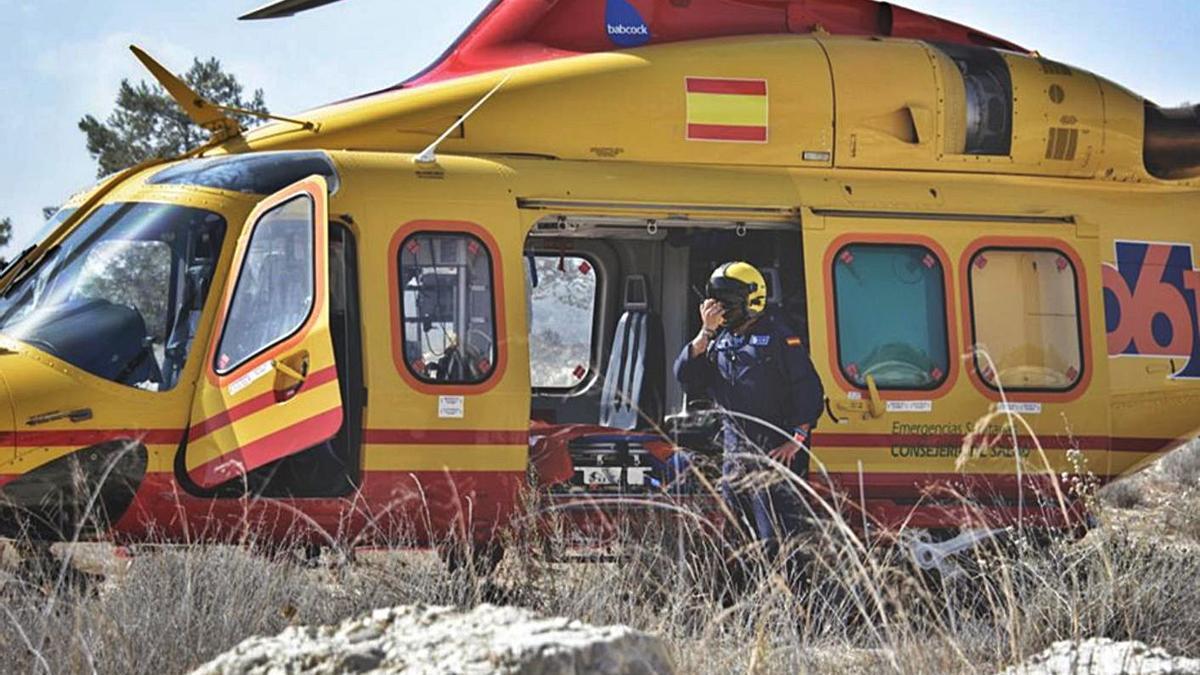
{"points": [[369, 321]]}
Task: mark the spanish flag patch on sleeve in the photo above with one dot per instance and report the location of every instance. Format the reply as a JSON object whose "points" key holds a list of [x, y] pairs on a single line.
{"points": [[793, 342]]}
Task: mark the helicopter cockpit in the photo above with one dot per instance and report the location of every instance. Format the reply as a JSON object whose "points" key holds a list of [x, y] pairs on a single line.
{"points": [[120, 295]]}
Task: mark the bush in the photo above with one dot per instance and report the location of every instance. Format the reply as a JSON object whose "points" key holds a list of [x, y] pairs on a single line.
{"points": [[1126, 493], [1183, 465]]}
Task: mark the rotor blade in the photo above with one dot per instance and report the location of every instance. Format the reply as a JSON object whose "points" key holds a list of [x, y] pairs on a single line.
{"points": [[282, 8], [194, 105]]}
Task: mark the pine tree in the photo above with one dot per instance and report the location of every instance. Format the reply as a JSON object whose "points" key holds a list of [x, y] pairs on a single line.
{"points": [[147, 123], [6, 230]]}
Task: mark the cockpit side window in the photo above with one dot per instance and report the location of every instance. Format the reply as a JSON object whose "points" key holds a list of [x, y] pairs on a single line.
{"points": [[275, 289], [890, 306]]}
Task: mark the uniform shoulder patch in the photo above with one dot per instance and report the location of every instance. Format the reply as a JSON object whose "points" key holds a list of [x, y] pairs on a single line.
{"points": [[794, 342]]}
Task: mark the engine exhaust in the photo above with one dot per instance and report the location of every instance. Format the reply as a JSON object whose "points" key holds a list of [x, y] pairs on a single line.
{"points": [[1172, 143]]}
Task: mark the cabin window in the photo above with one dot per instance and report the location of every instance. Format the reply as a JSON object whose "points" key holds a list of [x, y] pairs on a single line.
{"points": [[890, 304], [562, 301], [447, 308], [1025, 319], [274, 293]]}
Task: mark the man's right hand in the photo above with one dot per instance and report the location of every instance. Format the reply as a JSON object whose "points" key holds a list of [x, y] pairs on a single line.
{"points": [[711, 316]]}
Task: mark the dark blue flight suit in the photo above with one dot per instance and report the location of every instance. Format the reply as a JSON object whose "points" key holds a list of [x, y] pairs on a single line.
{"points": [[765, 374]]}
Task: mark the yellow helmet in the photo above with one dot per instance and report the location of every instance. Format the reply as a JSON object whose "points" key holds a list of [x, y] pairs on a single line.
{"points": [[741, 289]]}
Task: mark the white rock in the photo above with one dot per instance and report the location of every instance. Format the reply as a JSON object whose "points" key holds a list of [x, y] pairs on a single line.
{"points": [[421, 640], [1102, 656]]}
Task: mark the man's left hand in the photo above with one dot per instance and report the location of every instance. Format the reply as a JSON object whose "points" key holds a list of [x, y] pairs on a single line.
{"points": [[785, 453]]}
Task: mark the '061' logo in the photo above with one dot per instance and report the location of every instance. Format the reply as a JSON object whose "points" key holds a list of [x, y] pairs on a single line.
{"points": [[1150, 303]]}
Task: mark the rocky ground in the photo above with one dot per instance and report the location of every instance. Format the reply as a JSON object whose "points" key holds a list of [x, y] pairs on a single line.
{"points": [[421, 639], [1101, 656]]}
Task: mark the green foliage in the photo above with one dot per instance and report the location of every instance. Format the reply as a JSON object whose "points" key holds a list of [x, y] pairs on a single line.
{"points": [[147, 123], [136, 274]]}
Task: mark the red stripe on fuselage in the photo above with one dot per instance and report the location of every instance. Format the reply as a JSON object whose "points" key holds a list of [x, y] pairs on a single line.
{"points": [[84, 437], [1120, 444], [708, 85], [447, 436], [883, 480], [1116, 443], [726, 132]]}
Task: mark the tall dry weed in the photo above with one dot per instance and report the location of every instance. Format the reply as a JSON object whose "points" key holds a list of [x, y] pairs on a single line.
{"points": [[721, 603]]}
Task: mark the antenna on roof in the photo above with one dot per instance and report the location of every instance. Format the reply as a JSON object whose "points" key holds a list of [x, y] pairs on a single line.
{"points": [[429, 154]]}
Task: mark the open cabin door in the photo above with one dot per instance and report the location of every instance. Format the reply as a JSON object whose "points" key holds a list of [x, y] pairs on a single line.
{"points": [[269, 388]]}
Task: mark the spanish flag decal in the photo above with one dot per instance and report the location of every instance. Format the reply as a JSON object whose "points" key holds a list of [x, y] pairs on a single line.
{"points": [[722, 109]]}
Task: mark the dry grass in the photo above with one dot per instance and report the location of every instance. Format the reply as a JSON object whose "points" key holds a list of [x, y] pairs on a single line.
{"points": [[1183, 466], [866, 609]]}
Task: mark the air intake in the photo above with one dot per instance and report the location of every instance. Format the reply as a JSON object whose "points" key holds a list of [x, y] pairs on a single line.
{"points": [[1061, 144], [1054, 68]]}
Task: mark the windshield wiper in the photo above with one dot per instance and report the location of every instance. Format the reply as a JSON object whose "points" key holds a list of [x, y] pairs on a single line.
{"points": [[28, 269], [17, 260], [97, 221]]}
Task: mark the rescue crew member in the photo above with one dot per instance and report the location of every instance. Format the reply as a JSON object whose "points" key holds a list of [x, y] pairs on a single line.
{"points": [[753, 364]]}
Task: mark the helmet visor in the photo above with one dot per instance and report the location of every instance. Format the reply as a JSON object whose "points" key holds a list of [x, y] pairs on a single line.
{"points": [[724, 289]]}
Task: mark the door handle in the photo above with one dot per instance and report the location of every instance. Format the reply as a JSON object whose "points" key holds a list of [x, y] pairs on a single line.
{"points": [[290, 374], [872, 407], [876, 406], [284, 368]]}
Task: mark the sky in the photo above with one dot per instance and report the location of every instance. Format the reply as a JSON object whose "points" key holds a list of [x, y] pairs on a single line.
{"points": [[66, 58]]}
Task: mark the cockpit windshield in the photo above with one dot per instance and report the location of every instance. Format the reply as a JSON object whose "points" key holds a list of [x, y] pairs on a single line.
{"points": [[121, 295], [51, 224]]}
